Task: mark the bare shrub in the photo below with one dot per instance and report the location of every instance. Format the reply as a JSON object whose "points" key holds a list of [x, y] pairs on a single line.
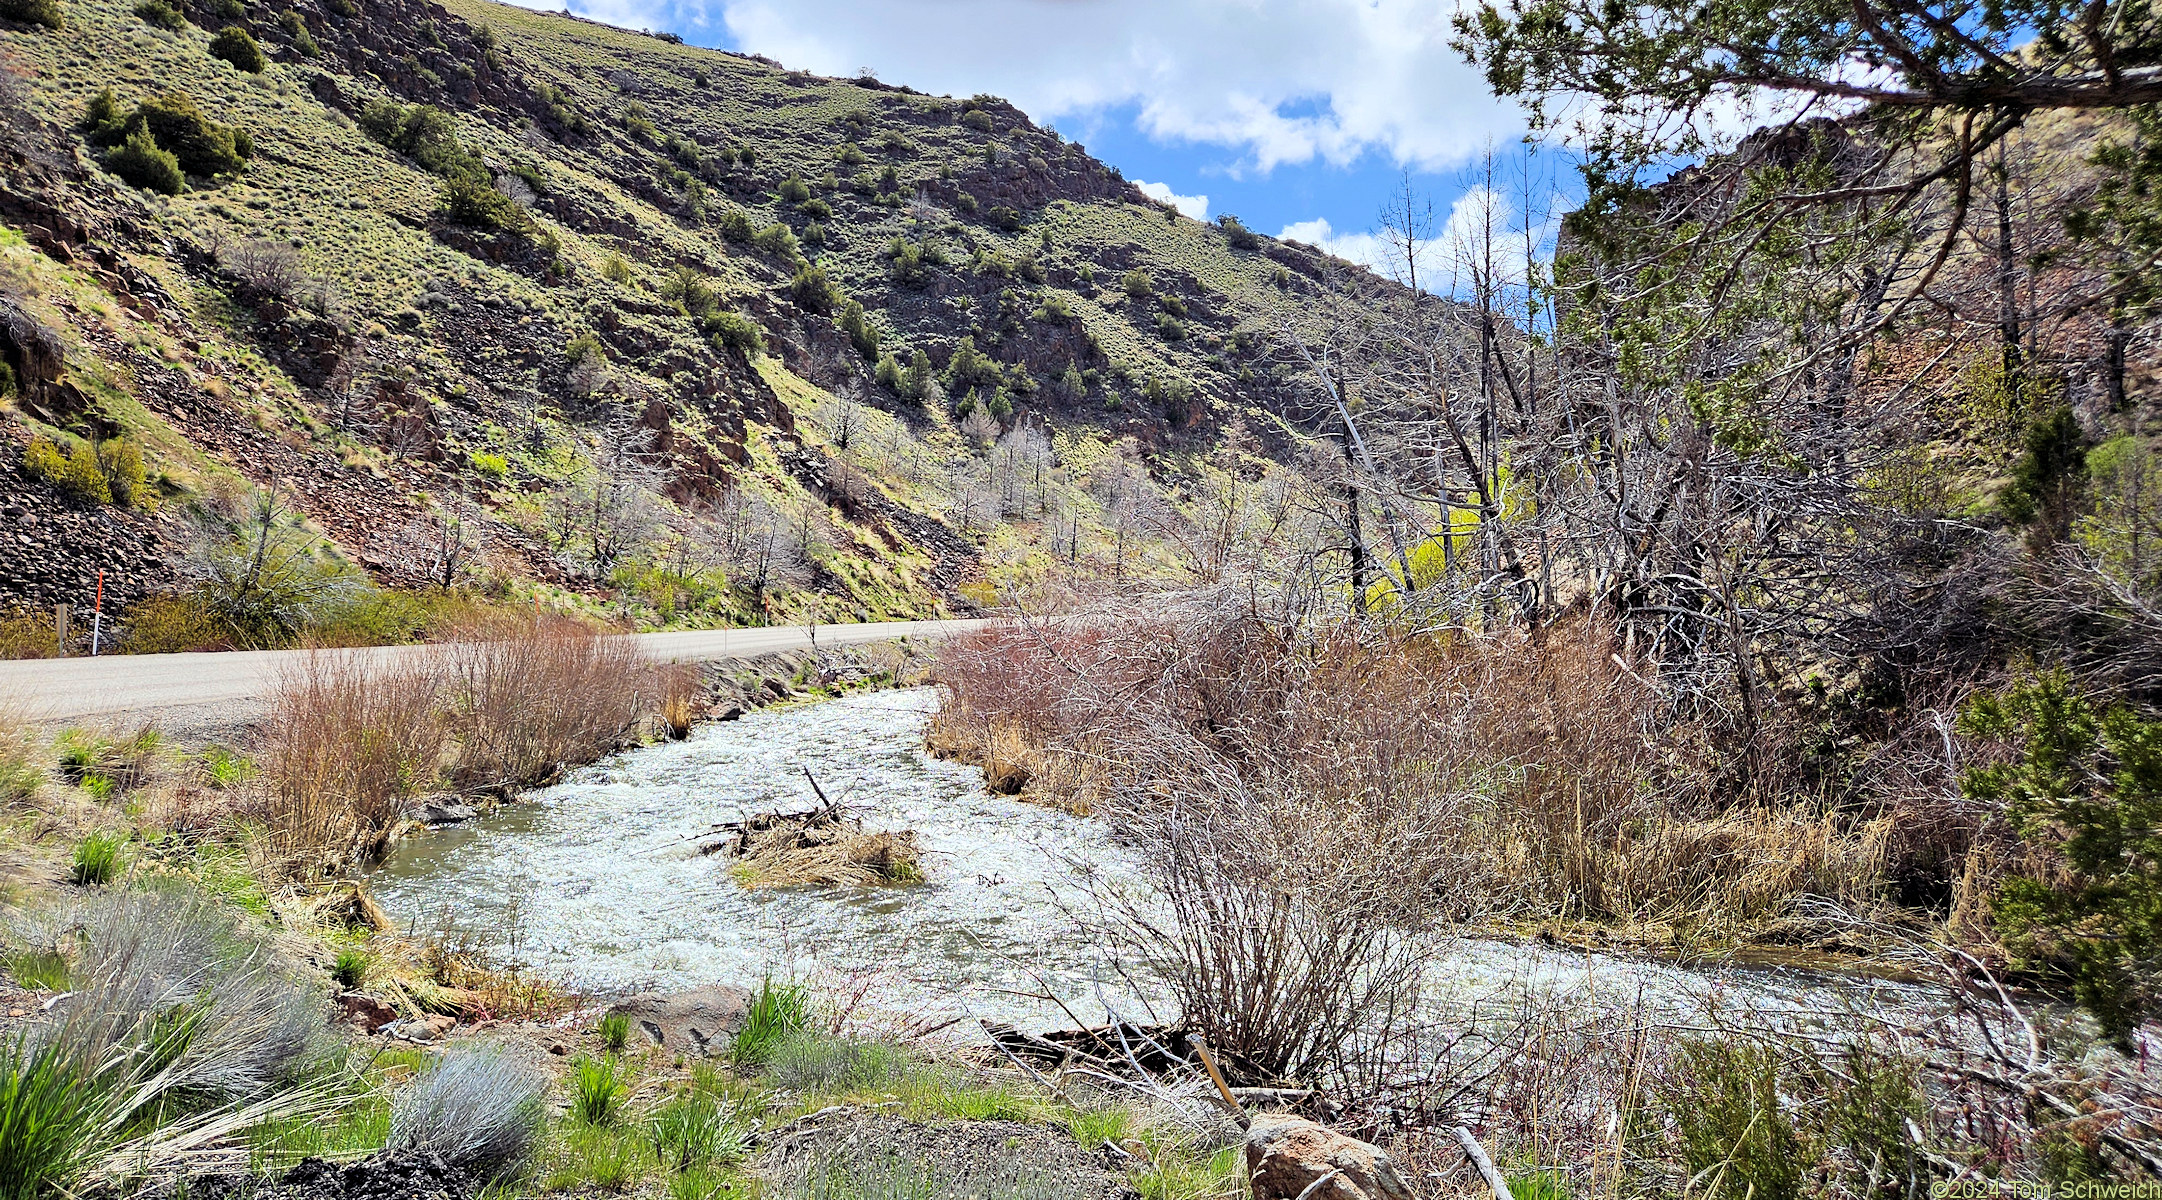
{"points": [[352, 738], [1286, 930], [271, 268], [546, 694], [478, 1108], [1568, 789]]}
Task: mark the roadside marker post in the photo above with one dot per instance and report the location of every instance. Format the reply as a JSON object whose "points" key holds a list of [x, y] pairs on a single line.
{"points": [[97, 616]]}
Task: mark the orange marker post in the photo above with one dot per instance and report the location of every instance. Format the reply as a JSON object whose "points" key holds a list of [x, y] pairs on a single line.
{"points": [[97, 616]]}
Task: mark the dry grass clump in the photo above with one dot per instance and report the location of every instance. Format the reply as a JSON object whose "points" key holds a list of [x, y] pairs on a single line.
{"points": [[351, 741], [546, 693], [1558, 782], [822, 847], [853, 859], [179, 1034], [20, 772], [681, 690], [142, 957]]}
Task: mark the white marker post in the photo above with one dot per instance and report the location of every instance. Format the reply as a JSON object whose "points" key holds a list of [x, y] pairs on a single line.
{"points": [[97, 616]]}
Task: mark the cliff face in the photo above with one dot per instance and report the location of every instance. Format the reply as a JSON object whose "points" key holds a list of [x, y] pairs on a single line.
{"points": [[468, 240]]}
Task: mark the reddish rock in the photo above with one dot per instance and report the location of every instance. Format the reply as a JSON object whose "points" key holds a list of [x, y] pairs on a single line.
{"points": [[366, 1011]]}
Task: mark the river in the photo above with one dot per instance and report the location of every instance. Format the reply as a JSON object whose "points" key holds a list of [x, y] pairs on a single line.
{"points": [[598, 881]]}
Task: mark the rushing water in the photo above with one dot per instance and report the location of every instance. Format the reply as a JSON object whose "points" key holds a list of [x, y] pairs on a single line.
{"points": [[598, 880]]}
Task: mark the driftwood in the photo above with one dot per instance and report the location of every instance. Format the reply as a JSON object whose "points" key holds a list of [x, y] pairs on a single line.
{"points": [[815, 826], [1477, 1154], [821, 846], [1127, 1049]]}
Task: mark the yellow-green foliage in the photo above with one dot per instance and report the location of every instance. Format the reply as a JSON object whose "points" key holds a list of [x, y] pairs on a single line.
{"points": [[44, 460], [74, 471], [108, 473], [2124, 533], [122, 465], [173, 625]]}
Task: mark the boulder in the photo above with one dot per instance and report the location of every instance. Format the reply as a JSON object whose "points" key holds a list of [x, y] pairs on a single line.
{"points": [[366, 1011], [701, 1021], [1286, 1156]]}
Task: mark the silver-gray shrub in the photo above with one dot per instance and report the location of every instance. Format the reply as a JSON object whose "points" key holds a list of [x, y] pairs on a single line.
{"points": [[477, 1108], [806, 1062], [149, 961]]}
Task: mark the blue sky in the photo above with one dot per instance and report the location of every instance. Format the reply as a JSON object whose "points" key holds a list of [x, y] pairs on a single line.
{"points": [[1297, 115]]}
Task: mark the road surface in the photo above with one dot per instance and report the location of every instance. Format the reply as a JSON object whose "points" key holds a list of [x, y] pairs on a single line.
{"points": [[59, 690]]}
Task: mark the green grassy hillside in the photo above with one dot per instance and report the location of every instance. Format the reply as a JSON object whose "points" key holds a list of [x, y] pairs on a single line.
{"points": [[582, 303]]}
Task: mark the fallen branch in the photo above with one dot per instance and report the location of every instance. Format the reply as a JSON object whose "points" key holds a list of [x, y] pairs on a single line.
{"points": [[1477, 1154]]}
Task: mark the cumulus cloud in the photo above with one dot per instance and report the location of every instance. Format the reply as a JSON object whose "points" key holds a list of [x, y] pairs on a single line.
{"points": [[1196, 207], [1445, 257], [1365, 249], [1275, 81]]}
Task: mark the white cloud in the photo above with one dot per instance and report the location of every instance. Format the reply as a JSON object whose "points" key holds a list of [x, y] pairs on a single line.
{"points": [[1196, 207], [1277, 81], [1365, 249], [1446, 256]]}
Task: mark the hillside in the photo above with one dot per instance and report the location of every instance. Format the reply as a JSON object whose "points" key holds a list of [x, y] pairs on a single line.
{"points": [[509, 299]]}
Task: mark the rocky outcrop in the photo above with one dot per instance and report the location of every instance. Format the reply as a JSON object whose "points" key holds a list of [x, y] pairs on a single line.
{"points": [[1288, 1158], [37, 359], [51, 551]]}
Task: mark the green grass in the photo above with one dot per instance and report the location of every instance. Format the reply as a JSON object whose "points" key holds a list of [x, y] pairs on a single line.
{"points": [[951, 1095], [52, 1113], [223, 768], [609, 1159], [96, 860], [1093, 1127], [1538, 1183], [1177, 1176], [599, 1087], [615, 1031], [222, 870], [694, 1131], [779, 1009], [80, 751], [350, 967], [39, 970], [703, 1183]]}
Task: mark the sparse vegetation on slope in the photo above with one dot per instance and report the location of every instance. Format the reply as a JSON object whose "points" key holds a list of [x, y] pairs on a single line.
{"points": [[379, 235]]}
